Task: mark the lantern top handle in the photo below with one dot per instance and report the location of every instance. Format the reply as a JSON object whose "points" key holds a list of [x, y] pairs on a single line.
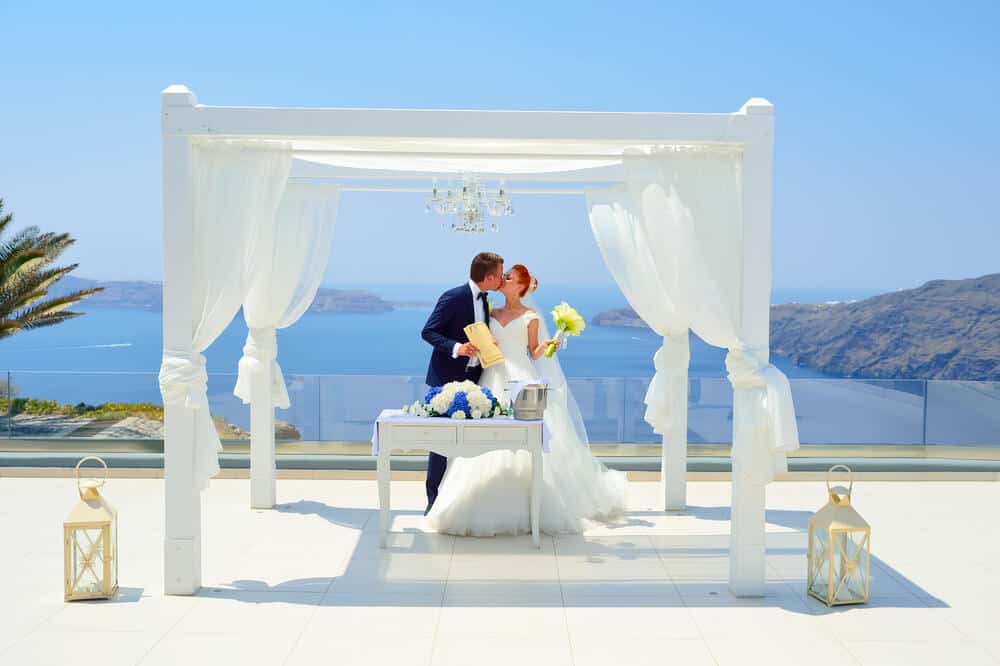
{"points": [[90, 485], [850, 472]]}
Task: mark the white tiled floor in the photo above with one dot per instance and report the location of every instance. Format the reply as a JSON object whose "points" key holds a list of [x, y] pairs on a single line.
{"points": [[307, 583]]}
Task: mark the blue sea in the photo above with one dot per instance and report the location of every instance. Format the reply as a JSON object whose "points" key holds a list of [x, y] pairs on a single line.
{"points": [[129, 340], [113, 355]]}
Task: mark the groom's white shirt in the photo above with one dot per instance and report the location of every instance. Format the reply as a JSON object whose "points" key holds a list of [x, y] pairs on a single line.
{"points": [[480, 317]]}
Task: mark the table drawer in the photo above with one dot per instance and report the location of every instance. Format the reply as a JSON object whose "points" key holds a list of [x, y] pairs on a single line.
{"points": [[486, 435], [417, 434]]}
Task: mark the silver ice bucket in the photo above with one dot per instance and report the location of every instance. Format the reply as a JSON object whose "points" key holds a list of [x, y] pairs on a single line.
{"points": [[530, 402]]}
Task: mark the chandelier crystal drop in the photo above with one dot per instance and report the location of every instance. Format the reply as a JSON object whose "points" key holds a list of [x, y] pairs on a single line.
{"points": [[466, 201]]}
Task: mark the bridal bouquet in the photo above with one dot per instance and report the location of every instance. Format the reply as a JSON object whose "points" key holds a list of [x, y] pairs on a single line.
{"points": [[458, 400], [568, 322]]}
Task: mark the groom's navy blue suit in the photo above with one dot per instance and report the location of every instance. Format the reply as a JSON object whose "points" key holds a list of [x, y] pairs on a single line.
{"points": [[445, 327]]}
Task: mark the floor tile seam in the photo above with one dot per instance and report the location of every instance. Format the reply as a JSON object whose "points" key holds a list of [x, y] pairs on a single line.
{"points": [[444, 595], [673, 581], [687, 609], [302, 630], [342, 565], [900, 581], [828, 632], [34, 628], [562, 598], [166, 633]]}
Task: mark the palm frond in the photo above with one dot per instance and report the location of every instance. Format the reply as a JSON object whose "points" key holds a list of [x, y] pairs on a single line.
{"points": [[27, 275], [40, 322], [53, 305], [5, 220]]}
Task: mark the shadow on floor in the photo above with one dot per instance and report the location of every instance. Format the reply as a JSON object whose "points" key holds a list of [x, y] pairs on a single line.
{"points": [[620, 570]]}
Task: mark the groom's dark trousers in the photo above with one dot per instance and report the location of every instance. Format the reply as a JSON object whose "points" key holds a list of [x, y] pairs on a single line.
{"points": [[445, 327]]}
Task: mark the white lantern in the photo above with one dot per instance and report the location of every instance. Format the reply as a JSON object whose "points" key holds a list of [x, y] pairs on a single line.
{"points": [[90, 539], [839, 549]]}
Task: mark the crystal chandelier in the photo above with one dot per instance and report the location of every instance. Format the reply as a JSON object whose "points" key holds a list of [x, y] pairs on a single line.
{"points": [[467, 200]]}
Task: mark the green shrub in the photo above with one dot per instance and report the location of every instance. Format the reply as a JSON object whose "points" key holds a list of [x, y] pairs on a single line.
{"points": [[108, 410]]}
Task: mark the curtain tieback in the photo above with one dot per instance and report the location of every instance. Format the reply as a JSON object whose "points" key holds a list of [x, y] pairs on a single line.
{"points": [[261, 347], [747, 371], [183, 379], [671, 362], [184, 383]]}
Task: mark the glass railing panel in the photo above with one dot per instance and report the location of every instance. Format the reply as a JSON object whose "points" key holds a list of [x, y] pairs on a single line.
{"points": [[302, 418], [232, 417], [963, 413], [123, 405], [100, 405], [635, 427], [710, 410], [601, 401], [856, 411], [349, 404], [301, 421]]}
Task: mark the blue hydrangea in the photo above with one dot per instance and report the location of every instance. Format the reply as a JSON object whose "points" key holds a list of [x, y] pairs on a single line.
{"points": [[488, 393], [430, 394], [460, 404]]}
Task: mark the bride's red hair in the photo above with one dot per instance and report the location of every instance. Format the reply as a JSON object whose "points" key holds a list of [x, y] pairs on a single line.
{"points": [[523, 279]]}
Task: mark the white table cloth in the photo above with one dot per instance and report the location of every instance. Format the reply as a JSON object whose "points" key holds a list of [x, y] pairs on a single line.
{"points": [[398, 417], [455, 438]]}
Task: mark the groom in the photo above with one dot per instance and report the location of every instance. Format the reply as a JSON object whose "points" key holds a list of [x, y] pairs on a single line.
{"points": [[453, 360]]}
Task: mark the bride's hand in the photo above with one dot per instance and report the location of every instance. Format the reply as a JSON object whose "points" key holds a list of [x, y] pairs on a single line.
{"points": [[553, 341]]}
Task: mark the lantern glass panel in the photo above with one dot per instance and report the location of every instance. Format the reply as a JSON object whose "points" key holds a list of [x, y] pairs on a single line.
{"points": [[114, 551], [87, 560], [820, 565], [850, 565]]}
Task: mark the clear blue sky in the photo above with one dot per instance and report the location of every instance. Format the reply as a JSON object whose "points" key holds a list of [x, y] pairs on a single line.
{"points": [[887, 139]]}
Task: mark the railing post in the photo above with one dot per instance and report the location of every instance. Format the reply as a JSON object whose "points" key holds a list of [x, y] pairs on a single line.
{"points": [[926, 389], [10, 409]]}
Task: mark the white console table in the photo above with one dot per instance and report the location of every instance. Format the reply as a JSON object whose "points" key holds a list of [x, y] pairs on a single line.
{"points": [[452, 438]]}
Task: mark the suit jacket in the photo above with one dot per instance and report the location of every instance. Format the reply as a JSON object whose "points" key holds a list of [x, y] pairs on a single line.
{"points": [[453, 312]]}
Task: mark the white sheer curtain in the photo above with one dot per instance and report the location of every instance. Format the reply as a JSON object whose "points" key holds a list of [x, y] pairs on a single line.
{"points": [[626, 253], [237, 188], [294, 259], [688, 201]]}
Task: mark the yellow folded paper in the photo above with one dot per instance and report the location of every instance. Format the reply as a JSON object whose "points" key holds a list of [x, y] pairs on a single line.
{"points": [[479, 335]]}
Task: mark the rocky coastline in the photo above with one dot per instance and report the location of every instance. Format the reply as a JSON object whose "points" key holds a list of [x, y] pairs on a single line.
{"points": [[140, 295], [944, 329]]}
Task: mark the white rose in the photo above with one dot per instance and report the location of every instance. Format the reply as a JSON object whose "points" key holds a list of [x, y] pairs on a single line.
{"points": [[476, 414], [440, 403], [458, 415]]}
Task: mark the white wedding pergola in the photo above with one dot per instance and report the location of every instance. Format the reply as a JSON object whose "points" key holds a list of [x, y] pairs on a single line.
{"points": [[680, 206]]}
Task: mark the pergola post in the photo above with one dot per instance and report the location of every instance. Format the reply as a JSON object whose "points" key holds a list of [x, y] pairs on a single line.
{"points": [[262, 460], [673, 465], [183, 546], [747, 548]]}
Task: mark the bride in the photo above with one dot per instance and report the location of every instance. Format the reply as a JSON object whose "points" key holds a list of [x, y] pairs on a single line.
{"points": [[490, 494]]}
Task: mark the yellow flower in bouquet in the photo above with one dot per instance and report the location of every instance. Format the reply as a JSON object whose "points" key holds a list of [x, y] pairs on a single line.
{"points": [[568, 322]]}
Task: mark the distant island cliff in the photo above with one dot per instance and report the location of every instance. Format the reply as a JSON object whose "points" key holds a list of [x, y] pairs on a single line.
{"points": [[149, 296], [945, 329]]}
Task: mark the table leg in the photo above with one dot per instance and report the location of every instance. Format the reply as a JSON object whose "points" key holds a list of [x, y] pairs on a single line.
{"points": [[536, 494], [384, 476]]}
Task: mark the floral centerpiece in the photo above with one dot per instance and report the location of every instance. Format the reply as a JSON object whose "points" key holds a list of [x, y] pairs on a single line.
{"points": [[458, 400], [568, 322]]}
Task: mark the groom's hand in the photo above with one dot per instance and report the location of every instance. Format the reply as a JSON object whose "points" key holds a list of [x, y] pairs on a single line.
{"points": [[468, 349]]}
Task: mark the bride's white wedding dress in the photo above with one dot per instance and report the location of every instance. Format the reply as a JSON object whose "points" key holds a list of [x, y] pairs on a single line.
{"points": [[490, 494]]}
